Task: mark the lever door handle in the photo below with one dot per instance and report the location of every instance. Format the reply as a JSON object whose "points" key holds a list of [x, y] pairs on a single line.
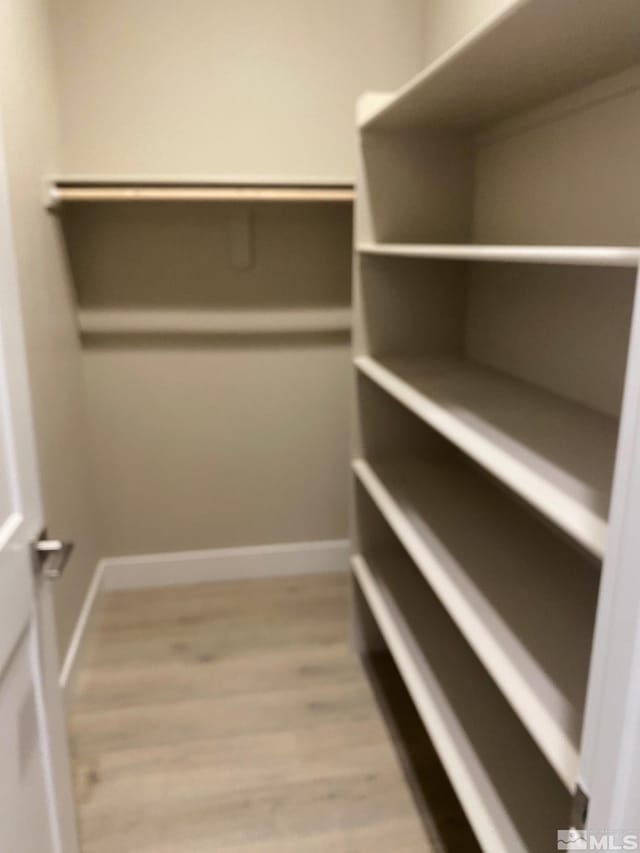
{"points": [[51, 556]]}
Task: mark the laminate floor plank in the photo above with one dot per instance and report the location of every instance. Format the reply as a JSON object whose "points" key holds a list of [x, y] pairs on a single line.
{"points": [[234, 717]]}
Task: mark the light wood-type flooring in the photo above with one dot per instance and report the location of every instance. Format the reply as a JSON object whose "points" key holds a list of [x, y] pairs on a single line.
{"points": [[234, 717]]}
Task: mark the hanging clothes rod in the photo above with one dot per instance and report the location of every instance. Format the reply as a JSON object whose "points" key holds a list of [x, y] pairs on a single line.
{"points": [[62, 193], [204, 321]]}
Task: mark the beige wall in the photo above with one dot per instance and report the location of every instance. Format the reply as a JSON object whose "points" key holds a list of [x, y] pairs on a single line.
{"points": [[215, 442], [28, 105], [232, 86], [448, 21], [205, 441], [240, 86], [201, 446]]}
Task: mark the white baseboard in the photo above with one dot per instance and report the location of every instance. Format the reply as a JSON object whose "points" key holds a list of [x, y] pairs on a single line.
{"points": [[73, 656], [223, 564]]}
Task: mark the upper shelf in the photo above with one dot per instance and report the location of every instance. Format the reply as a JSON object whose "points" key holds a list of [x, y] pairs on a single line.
{"points": [[499, 68], [95, 188], [601, 256]]}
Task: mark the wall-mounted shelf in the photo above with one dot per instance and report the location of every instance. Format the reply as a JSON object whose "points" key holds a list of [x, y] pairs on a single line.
{"points": [[207, 322], [96, 189], [599, 256], [524, 600], [493, 764], [555, 454], [498, 70]]}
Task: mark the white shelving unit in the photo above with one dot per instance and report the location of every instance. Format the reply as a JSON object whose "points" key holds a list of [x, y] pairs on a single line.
{"points": [[499, 582], [555, 454], [496, 388], [534, 52], [489, 758]]}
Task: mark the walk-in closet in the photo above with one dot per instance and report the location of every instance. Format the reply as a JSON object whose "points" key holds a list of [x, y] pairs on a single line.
{"points": [[319, 416]]}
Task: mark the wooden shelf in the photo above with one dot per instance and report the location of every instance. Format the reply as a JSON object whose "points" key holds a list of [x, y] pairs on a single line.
{"points": [[510, 795], [98, 189], [524, 600], [532, 52], [606, 256], [203, 322], [555, 454]]}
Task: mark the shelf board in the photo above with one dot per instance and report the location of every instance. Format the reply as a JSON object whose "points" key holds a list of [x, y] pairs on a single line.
{"points": [[524, 600], [609, 256], [97, 189], [497, 70], [556, 454], [194, 179], [510, 795], [201, 322]]}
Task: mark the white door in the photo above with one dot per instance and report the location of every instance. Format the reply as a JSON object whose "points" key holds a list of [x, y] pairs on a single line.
{"points": [[36, 806]]}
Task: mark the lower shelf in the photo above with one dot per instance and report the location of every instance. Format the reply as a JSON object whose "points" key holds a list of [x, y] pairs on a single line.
{"points": [[446, 825], [524, 600], [512, 798]]}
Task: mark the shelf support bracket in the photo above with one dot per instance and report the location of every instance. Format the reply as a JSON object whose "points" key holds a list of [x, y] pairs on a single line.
{"points": [[50, 196]]}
